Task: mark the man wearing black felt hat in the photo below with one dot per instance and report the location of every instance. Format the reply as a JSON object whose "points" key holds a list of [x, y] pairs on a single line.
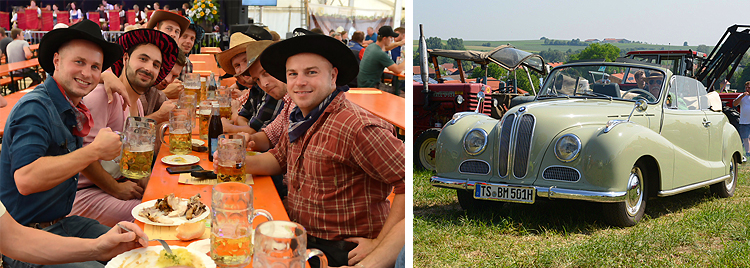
{"points": [[43, 138], [342, 162]]}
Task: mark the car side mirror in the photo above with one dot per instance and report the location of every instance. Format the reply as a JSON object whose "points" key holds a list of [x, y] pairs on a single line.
{"points": [[640, 106], [480, 100]]}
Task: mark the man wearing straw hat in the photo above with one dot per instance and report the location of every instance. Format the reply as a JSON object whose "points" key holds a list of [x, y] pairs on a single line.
{"points": [[43, 141], [341, 161], [103, 194]]}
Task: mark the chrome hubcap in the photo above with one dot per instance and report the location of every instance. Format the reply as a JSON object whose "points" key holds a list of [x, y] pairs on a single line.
{"points": [[633, 197], [729, 183]]}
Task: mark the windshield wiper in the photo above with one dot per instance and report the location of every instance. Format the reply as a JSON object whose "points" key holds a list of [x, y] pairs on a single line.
{"points": [[594, 94]]}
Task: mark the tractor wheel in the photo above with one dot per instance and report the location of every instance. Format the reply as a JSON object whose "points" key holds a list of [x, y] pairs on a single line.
{"points": [[424, 149]]}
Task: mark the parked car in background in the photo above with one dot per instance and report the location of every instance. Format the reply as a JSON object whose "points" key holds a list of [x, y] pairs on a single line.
{"points": [[593, 134]]}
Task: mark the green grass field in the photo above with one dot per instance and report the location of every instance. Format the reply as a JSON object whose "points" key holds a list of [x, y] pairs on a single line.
{"points": [[693, 229], [535, 46]]}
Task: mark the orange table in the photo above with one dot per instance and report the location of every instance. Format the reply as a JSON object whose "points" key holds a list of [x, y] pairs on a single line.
{"points": [[12, 99], [382, 104], [5, 69], [210, 50], [162, 183]]}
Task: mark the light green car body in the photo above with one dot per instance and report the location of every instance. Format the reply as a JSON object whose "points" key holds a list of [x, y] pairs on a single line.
{"points": [[680, 150]]}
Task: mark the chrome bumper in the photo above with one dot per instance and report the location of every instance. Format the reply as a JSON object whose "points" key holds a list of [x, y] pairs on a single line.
{"points": [[552, 192]]}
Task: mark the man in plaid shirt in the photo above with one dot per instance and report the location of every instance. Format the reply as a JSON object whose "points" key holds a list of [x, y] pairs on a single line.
{"points": [[342, 162]]}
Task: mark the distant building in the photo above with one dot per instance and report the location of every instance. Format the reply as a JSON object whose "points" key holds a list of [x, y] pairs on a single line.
{"points": [[592, 41]]}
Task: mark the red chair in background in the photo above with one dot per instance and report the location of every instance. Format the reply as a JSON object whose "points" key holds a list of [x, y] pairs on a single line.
{"points": [[130, 15], [47, 20], [63, 17], [22, 20], [114, 20], [5, 20], [93, 16], [32, 19]]}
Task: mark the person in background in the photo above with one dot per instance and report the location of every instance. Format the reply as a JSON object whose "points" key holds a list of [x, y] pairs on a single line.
{"points": [[317, 30], [192, 36], [61, 250], [55, 10], [140, 16], [185, 9], [356, 42], [18, 51], [371, 36], [75, 13], [374, 60], [156, 6], [43, 140], [107, 6], [397, 46], [344, 36], [744, 127], [4, 41]]}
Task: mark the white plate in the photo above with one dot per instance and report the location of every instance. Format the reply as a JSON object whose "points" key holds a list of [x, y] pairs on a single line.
{"points": [[176, 220], [180, 160], [203, 246], [198, 142], [128, 258]]}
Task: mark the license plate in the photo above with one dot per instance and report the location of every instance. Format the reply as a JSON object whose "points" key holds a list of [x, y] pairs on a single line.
{"points": [[505, 193]]}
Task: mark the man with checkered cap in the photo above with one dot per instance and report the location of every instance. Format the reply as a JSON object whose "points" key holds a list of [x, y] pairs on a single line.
{"points": [[43, 140], [342, 162], [103, 194]]}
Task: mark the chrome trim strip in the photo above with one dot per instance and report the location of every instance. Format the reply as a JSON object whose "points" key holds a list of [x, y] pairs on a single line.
{"points": [[489, 170], [549, 192], [531, 144], [692, 186], [552, 166]]}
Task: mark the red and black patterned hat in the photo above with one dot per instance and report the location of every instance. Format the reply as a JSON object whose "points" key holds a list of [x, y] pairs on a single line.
{"points": [[164, 42]]}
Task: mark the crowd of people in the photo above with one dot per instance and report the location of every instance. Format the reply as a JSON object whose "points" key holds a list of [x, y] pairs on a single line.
{"points": [[332, 162], [74, 13]]}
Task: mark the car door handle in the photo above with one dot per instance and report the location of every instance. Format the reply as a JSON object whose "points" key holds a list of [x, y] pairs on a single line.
{"points": [[706, 123]]}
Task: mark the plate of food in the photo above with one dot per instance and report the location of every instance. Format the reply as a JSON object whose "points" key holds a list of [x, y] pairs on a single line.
{"points": [[203, 246], [156, 256], [180, 160], [171, 211]]}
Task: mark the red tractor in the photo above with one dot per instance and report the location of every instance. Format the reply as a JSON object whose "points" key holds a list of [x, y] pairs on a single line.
{"points": [[707, 68], [435, 104]]}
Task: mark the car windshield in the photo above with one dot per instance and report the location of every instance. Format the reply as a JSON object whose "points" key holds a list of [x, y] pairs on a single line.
{"points": [[605, 81]]}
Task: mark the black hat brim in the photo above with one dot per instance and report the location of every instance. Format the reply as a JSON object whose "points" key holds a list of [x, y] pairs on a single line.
{"points": [[273, 59], [51, 42]]}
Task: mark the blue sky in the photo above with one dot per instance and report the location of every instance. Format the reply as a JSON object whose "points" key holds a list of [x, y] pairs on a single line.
{"points": [[658, 22]]}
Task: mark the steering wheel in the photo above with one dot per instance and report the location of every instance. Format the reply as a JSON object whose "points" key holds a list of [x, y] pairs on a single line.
{"points": [[650, 97]]}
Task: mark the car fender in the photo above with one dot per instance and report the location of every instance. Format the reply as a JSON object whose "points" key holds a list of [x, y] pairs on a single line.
{"points": [[450, 153], [732, 143], [606, 159]]}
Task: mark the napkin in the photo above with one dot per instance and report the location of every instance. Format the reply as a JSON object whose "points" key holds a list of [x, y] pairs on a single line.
{"points": [[186, 178]]}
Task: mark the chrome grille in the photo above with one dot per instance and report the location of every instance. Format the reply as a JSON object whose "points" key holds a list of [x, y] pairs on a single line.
{"points": [[474, 167], [523, 145], [505, 144], [559, 173]]}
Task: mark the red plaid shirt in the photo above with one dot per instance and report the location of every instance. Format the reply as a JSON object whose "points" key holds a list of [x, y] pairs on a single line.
{"points": [[281, 124], [341, 172]]}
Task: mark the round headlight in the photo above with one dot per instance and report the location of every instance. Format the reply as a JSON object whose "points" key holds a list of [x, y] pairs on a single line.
{"points": [[460, 99], [475, 141], [567, 147]]}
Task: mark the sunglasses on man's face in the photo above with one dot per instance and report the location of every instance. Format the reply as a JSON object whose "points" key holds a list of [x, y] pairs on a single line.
{"points": [[655, 81]]}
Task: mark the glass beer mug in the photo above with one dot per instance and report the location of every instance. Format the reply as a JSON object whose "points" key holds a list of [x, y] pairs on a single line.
{"points": [[180, 131], [283, 244], [232, 217], [231, 158], [138, 139]]}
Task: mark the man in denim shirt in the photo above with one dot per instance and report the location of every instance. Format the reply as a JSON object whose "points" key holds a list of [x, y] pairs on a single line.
{"points": [[42, 152]]}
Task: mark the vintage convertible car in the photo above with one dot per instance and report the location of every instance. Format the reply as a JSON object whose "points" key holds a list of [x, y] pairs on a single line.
{"points": [[610, 132]]}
